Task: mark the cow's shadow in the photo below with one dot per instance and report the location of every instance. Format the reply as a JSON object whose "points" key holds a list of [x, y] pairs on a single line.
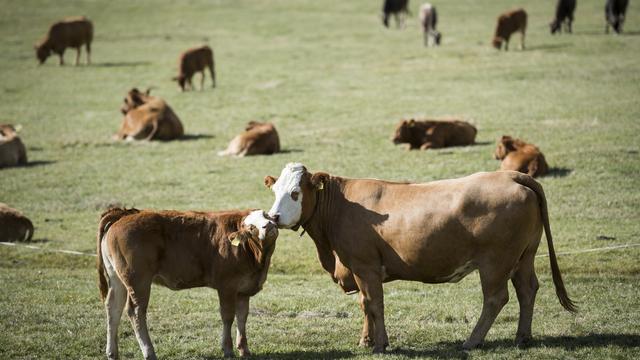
{"points": [[558, 172], [122, 64], [549, 47], [38, 163], [191, 137]]}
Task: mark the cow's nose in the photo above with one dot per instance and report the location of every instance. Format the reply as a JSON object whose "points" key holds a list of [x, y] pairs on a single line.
{"points": [[275, 218]]}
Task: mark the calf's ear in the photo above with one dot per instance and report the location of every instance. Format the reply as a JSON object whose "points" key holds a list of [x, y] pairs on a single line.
{"points": [[319, 179], [269, 181], [236, 238]]}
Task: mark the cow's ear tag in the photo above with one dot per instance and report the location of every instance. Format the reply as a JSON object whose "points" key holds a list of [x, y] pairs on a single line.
{"points": [[233, 239]]}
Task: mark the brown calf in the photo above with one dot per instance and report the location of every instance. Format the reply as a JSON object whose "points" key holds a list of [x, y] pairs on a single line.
{"points": [[517, 155], [193, 61], [148, 118], [14, 226], [71, 32], [229, 251], [432, 134], [509, 23], [257, 139], [12, 150]]}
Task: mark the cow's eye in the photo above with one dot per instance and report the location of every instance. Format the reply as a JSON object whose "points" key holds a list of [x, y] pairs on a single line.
{"points": [[294, 195]]}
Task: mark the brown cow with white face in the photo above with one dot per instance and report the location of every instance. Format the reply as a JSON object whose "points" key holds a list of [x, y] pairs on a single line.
{"points": [[257, 139], [433, 134], [434, 232], [12, 150], [14, 226], [228, 250], [148, 117], [518, 155]]}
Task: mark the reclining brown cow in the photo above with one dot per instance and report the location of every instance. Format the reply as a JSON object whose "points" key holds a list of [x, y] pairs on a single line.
{"points": [[229, 251], [14, 226], [433, 134], [148, 117], [12, 150], [434, 232], [257, 139], [517, 155]]}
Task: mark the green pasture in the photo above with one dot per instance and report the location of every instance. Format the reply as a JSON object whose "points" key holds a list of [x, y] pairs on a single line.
{"points": [[335, 82]]}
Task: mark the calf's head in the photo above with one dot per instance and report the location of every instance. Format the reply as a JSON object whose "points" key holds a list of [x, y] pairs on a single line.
{"points": [[506, 144], [181, 80], [257, 227], [295, 195], [42, 52], [403, 131], [497, 42], [554, 26], [134, 99]]}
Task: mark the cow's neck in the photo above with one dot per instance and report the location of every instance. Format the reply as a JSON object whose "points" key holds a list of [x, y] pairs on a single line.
{"points": [[319, 226]]}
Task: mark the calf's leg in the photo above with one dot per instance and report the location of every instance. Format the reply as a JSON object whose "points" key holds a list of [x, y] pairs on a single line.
{"points": [[525, 282], [138, 300], [114, 305], [372, 301], [202, 81], [242, 312], [78, 51], [88, 53], [227, 312]]}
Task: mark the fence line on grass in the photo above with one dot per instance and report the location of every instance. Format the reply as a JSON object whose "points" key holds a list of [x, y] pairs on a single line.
{"points": [[72, 252]]}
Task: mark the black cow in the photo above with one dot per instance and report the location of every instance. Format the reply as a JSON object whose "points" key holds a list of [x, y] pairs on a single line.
{"points": [[614, 12], [397, 8], [564, 14]]}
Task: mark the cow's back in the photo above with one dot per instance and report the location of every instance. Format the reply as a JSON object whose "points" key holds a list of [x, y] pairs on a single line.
{"points": [[71, 32], [459, 133], [12, 151], [195, 60]]}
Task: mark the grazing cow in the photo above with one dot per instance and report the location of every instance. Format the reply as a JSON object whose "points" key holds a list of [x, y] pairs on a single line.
{"points": [[614, 13], [433, 134], [434, 232], [148, 117], [397, 8], [14, 226], [257, 139], [71, 32], [429, 20], [517, 155], [193, 61], [12, 150], [509, 23], [564, 14], [229, 251]]}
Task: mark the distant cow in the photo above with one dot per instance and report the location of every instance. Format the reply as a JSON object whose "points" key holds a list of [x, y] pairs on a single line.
{"points": [[517, 155], [14, 226], [433, 134], [229, 251], [397, 8], [429, 20], [148, 117], [257, 139], [614, 13], [193, 61], [507, 24], [71, 32], [564, 14], [12, 150]]}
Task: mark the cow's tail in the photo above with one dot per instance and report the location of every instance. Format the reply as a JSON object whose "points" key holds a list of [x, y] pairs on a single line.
{"points": [[561, 291], [29, 233], [107, 219]]}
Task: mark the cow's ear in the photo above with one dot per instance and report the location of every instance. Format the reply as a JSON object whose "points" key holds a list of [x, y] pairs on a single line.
{"points": [[269, 181], [412, 123], [234, 238], [251, 125], [319, 179], [507, 141]]}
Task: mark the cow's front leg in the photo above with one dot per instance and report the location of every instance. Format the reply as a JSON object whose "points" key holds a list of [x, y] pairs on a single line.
{"points": [[227, 312], [242, 312], [372, 300]]}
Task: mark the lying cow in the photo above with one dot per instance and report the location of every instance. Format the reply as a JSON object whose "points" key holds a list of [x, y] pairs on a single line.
{"points": [[433, 134], [14, 226], [614, 14], [429, 20], [71, 32], [508, 23], [434, 232], [397, 8], [564, 14], [193, 61], [257, 139], [12, 150], [148, 117], [229, 251], [517, 155]]}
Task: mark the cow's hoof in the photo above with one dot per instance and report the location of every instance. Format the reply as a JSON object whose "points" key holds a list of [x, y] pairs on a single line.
{"points": [[244, 352], [523, 341], [470, 345], [229, 354], [366, 341], [379, 349]]}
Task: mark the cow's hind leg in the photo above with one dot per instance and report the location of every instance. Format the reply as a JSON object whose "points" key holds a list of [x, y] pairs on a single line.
{"points": [[372, 302], [137, 304], [525, 282], [227, 312], [88, 53], [78, 51], [114, 305], [202, 81], [495, 296], [366, 339]]}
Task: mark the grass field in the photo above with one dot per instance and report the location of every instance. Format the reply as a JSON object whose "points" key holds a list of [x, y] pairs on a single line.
{"points": [[334, 82]]}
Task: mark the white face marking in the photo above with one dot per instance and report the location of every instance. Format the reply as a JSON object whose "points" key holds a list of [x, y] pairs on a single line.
{"points": [[288, 209], [257, 219]]}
